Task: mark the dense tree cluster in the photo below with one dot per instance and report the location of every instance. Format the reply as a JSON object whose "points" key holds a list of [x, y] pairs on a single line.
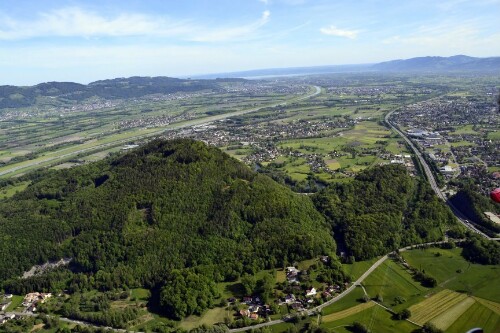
{"points": [[382, 210], [482, 251], [136, 219], [473, 205], [186, 293], [425, 279]]}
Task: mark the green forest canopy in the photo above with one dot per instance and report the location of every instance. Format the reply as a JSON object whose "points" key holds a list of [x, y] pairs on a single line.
{"points": [[183, 212]]}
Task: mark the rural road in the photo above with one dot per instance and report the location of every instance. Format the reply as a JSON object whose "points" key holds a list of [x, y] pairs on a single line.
{"points": [[71, 321], [277, 321], [432, 181], [341, 295], [196, 122]]}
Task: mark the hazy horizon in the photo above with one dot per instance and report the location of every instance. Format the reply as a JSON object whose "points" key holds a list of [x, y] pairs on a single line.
{"points": [[84, 41]]}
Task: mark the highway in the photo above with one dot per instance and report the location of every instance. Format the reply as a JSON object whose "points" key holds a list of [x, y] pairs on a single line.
{"points": [[196, 122], [432, 181]]}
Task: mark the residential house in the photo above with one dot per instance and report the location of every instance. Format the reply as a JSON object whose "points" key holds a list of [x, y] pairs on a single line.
{"points": [[311, 292]]}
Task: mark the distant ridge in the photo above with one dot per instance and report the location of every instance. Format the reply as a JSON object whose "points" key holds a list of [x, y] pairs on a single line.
{"points": [[137, 86], [454, 63], [132, 87], [289, 71], [458, 63]]}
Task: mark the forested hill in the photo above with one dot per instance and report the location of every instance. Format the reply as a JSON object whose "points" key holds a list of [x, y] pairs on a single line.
{"points": [[383, 209], [169, 205], [132, 87]]}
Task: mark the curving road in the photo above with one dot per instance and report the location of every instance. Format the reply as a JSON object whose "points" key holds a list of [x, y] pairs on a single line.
{"points": [[344, 293], [310, 312], [196, 122], [432, 181]]}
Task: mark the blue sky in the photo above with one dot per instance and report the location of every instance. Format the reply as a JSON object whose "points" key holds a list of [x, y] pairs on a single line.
{"points": [[88, 40]]}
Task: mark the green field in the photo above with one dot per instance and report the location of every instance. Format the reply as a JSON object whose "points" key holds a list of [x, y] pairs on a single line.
{"points": [[140, 294], [376, 318], [494, 135], [16, 302], [210, 317], [10, 190], [354, 298], [348, 312], [466, 129], [391, 280], [453, 272], [356, 269], [482, 317], [436, 305]]}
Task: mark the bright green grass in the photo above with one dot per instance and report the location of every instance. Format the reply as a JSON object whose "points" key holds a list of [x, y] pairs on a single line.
{"points": [[304, 265], [210, 317], [9, 191], [140, 294], [281, 327], [462, 144], [356, 269], [474, 279], [391, 280], [352, 299], [376, 319], [394, 147], [494, 135], [493, 168], [466, 129], [476, 316], [16, 302]]}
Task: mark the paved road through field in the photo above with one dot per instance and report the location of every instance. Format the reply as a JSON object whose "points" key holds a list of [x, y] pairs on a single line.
{"points": [[341, 295], [196, 122], [277, 321]]}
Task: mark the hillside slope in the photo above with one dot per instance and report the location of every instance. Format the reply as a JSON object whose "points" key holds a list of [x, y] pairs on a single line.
{"points": [[383, 209], [132, 87], [167, 205]]}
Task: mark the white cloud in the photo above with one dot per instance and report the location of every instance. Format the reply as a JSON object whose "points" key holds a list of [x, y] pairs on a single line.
{"points": [[447, 39], [232, 33], [334, 31], [76, 22], [73, 21]]}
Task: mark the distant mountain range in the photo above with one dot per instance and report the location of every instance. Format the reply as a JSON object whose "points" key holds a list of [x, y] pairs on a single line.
{"points": [[437, 64], [136, 87], [458, 63], [132, 87]]}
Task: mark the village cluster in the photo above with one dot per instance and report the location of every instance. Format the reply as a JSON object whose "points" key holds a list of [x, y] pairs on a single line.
{"points": [[454, 133], [30, 303], [296, 297]]}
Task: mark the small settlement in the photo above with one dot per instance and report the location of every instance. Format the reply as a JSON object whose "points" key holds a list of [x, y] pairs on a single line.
{"points": [[296, 294], [30, 303]]}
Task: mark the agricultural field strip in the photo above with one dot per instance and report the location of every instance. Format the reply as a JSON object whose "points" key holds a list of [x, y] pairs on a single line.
{"points": [[344, 293], [403, 278], [493, 306], [435, 306], [277, 321], [201, 121], [348, 312], [446, 319]]}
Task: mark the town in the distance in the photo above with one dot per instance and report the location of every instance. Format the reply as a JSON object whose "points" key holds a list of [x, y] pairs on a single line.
{"points": [[323, 200]]}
